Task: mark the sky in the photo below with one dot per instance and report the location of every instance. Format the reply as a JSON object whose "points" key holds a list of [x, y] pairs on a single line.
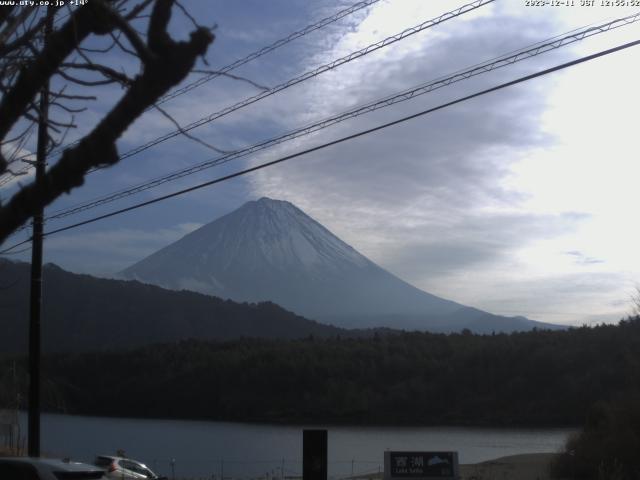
{"points": [[519, 202]]}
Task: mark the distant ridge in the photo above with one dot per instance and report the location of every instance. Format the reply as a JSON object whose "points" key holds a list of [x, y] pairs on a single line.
{"points": [[85, 313], [271, 250]]}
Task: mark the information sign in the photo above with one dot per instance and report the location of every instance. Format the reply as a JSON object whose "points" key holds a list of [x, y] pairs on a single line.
{"points": [[420, 465]]}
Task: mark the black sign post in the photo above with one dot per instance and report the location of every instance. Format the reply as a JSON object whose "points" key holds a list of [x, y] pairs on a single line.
{"points": [[420, 465], [314, 455]]}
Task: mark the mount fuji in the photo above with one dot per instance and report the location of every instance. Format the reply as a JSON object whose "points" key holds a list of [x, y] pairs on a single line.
{"points": [[269, 250]]}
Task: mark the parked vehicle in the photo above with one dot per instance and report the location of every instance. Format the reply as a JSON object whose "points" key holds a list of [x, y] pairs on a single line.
{"points": [[122, 468], [28, 468]]}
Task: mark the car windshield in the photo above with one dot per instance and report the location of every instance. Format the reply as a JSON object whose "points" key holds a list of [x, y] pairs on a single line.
{"points": [[136, 468]]}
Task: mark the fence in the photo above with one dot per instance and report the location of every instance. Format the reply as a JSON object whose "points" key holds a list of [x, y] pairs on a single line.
{"points": [[244, 469], [11, 440]]}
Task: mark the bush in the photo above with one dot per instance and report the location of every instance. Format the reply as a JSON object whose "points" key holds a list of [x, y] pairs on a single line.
{"points": [[607, 448]]}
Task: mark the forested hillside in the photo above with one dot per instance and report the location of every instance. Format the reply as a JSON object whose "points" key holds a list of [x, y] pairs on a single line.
{"points": [[85, 313], [535, 378]]}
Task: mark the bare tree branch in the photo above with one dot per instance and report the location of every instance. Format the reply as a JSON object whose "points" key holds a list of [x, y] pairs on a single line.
{"points": [[91, 18], [133, 37], [635, 302], [85, 83], [25, 38], [137, 9], [187, 134], [116, 39], [167, 63], [66, 108], [12, 25], [233, 77], [77, 97], [5, 13], [107, 72], [187, 14]]}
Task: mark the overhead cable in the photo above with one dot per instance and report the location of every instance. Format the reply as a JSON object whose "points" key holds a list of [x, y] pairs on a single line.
{"points": [[403, 96], [238, 63], [311, 74], [263, 51], [343, 139], [296, 80]]}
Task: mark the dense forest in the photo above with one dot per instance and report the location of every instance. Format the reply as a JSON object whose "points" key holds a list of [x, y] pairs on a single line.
{"points": [[539, 378], [607, 446]]}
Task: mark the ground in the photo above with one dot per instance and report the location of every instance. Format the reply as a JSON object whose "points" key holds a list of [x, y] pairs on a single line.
{"points": [[532, 466]]}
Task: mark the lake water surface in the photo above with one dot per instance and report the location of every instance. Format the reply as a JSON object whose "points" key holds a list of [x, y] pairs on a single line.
{"points": [[202, 449]]}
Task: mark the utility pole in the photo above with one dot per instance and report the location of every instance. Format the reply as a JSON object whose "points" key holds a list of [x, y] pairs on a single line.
{"points": [[33, 447]]}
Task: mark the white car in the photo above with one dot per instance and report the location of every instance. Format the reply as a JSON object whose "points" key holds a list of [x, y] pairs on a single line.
{"points": [[29, 468], [122, 468]]}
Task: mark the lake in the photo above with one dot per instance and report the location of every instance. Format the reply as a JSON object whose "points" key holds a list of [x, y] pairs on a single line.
{"points": [[199, 449]]}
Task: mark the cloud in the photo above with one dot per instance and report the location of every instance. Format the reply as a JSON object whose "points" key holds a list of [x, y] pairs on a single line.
{"points": [[432, 200], [431, 171], [107, 252], [471, 241], [499, 202], [581, 259], [565, 298], [13, 150]]}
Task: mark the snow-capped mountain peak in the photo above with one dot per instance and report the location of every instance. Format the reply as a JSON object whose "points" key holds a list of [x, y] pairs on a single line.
{"points": [[285, 235], [270, 250]]}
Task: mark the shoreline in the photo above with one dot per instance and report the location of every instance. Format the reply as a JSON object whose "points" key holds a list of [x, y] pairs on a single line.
{"points": [[318, 423], [526, 466]]}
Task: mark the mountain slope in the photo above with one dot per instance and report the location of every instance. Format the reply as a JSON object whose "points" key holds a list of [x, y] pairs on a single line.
{"points": [[84, 313], [271, 250]]}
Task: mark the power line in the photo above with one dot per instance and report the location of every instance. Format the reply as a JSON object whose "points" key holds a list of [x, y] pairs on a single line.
{"points": [[311, 74], [340, 140], [275, 45], [301, 78], [237, 63], [535, 312], [9, 252], [503, 61], [6, 176], [350, 137]]}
